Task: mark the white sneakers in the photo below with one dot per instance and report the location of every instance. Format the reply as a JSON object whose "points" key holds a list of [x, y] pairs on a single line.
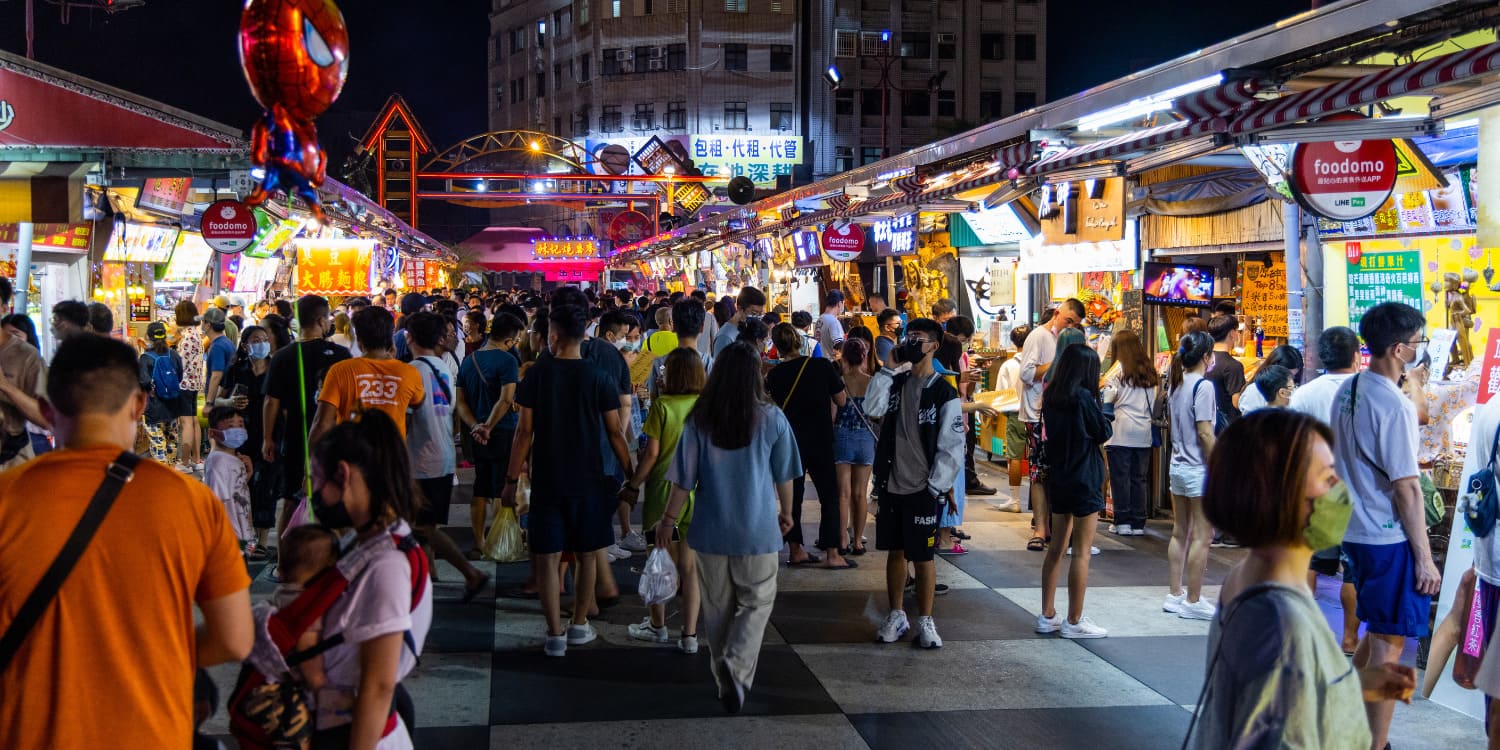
{"points": [[927, 635], [645, 631], [1009, 506], [1084, 629], [1045, 624], [688, 644], [1180, 606], [616, 554], [556, 645], [893, 628], [633, 542], [581, 634], [1092, 551]]}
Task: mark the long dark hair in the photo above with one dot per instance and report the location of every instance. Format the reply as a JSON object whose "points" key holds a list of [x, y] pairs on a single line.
{"points": [[372, 444], [1077, 367], [242, 354], [1191, 351], [1135, 367], [863, 334], [728, 411], [23, 324]]}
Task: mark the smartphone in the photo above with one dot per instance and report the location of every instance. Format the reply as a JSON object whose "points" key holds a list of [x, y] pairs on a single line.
{"points": [[240, 391]]}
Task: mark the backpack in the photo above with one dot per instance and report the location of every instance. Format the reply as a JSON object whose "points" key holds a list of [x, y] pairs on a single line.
{"points": [[166, 376], [1221, 418], [268, 706]]}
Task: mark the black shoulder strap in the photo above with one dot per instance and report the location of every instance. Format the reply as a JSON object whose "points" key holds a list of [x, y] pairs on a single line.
{"points": [[116, 475], [437, 376]]}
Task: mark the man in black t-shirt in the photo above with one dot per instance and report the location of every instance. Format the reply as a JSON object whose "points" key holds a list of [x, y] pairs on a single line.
{"points": [[1226, 374], [567, 406], [292, 397]]}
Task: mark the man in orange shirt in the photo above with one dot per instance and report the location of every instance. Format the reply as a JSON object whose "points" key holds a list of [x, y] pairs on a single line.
{"points": [[110, 662], [374, 380]]}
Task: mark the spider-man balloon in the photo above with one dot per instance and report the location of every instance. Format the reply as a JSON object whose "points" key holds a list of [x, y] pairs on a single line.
{"points": [[295, 54]]}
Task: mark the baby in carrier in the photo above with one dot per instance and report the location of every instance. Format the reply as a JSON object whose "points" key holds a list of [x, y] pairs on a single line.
{"points": [[305, 552]]}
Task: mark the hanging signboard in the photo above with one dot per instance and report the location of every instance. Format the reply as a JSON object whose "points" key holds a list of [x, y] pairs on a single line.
{"points": [[808, 249], [229, 226], [1384, 277], [1343, 180], [843, 243], [896, 236], [1086, 211], [273, 235], [168, 195], [630, 226], [1114, 255], [189, 260], [1002, 283], [417, 273], [1265, 294], [73, 237], [141, 243], [566, 248], [334, 267]]}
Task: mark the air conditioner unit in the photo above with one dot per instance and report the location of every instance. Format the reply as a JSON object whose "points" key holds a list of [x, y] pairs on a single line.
{"points": [[655, 65], [658, 52], [947, 37], [627, 67], [622, 55], [643, 123]]}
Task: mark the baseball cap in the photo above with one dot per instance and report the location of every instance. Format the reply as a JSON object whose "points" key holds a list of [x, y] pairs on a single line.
{"points": [[221, 301], [214, 317], [157, 331]]}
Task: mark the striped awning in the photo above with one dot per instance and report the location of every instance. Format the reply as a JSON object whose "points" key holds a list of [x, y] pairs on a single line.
{"points": [[910, 185], [1126, 144], [1357, 92], [838, 202], [1220, 99]]}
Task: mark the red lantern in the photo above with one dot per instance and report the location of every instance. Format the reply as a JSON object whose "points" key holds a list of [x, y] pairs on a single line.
{"points": [[295, 54]]}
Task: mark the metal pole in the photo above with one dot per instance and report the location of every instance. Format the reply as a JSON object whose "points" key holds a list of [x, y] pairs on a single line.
{"points": [[1291, 218], [885, 96], [23, 267], [1313, 303], [30, 29]]}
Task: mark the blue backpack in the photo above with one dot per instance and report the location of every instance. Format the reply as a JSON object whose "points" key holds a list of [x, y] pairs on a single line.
{"points": [[166, 379]]}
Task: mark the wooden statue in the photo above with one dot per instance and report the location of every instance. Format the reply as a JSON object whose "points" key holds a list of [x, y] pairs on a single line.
{"points": [[1461, 306]]}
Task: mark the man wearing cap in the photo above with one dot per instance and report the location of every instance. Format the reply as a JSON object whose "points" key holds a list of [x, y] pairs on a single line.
{"points": [[22, 375], [219, 352], [160, 411], [232, 331]]}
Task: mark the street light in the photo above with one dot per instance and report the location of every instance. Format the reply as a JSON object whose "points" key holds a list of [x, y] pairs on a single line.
{"points": [[833, 76]]}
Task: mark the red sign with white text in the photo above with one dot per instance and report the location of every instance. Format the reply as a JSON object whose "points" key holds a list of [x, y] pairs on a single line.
{"points": [[1353, 251], [228, 226], [844, 243], [1343, 180], [1489, 376], [36, 113]]}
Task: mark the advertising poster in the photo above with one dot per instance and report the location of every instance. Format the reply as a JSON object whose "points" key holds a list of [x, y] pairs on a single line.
{"points": [[1265, 294], [1384, 277]]}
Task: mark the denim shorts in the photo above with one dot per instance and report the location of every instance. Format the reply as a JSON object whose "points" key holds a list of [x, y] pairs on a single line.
{"points": [[853, 446]]}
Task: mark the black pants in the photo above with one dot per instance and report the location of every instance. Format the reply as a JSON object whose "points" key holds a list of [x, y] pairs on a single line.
{"points": [[826, 481], [1127, 482], [971, 439]]}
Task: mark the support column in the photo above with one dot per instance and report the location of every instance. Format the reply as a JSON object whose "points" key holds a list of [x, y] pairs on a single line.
{"points": [[23, 267], [1312, 295], [1291, 217]]}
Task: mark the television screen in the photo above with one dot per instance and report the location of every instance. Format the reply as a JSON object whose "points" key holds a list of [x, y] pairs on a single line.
{"points": [[1178, 284]]}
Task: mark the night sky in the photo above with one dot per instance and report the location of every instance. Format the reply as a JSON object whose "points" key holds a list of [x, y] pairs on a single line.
{"points": [[183, 53]]}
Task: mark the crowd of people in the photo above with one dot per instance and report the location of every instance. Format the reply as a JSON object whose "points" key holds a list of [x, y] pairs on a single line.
{"points": [[334, 434]]}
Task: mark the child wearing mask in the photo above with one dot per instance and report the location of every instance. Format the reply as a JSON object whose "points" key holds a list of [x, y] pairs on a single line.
{"points": [[228, 473]]}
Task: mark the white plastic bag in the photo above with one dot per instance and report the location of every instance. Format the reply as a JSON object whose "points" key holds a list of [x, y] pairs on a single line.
{"points": [[658, 579]]}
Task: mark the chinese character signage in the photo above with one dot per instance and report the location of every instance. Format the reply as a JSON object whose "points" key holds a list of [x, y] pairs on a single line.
{"points": [[896, 236], [419, 274], [334, 267], [1265, 294], [566, 249], [168, 195], [1489, 376], [762, 158], [690, 196], [189, 260], [1384, 277], [73, 237]]}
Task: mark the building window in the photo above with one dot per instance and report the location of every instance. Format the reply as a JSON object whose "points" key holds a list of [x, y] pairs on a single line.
{"points": [[644, 7], [499, 48], [736, 116], [541, 33], [581, 125], [610, 119], [991, 105], [1026, 47], [736, 57], [642, 57], [843, 158], [676, 115], [870, 102], [583, 67], [517, 40], [781, 115], [869, 154], [947, 45], [614, 8], [645, 117], [870, 44], [916, 104], [611, 65], [843, 102], [1025, 100], [583, 18], [736, 6], [781, 58], [947, 104], [557, 126], [557, 76], [677, 56], [499, 97], [676, 6], [845, 43], [992, 46], [541, 85], [562, 20], [916, 44]]}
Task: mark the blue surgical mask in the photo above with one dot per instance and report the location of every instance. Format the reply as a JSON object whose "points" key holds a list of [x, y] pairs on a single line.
{"points": [[260, 350], [235, 437]]}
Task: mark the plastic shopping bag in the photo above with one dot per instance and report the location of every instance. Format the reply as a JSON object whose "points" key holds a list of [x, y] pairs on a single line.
{"points": [[300, 515], [658, 579], [503, 542]]}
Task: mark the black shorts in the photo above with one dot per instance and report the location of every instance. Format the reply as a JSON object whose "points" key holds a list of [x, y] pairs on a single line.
{"points": [[187, 404], [571, 524], [438, 493], [1326, 562], [491, 461], [907, 523]]}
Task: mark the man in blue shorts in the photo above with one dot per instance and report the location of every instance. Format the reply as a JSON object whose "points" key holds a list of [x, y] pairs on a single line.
{"points": [[1375, 449]]}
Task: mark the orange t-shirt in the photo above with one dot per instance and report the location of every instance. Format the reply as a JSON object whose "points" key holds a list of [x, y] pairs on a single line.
{"points": [[389, 385], [110, 663]]}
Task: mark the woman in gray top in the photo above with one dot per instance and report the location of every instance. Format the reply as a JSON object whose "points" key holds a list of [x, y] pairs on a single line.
{"points": [[1276, 676]]}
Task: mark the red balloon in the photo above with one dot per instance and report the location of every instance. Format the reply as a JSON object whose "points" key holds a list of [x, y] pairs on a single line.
{"points": [[294, 53]]}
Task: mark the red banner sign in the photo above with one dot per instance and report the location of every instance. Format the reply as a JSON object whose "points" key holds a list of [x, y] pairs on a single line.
{"points": [[1489, 375], [419, 274], [64, 236], [844, 243]]}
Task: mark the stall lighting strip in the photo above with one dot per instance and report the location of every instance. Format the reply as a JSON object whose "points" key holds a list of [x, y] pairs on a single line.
{"points": [[1178, 152], [1383, 128]]}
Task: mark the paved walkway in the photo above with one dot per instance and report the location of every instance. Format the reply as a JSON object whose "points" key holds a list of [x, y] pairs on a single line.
{"points": [[823, 681]]}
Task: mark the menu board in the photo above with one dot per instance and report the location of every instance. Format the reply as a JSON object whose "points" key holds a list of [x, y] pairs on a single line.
{"points": [[1264, 291], [189, 260], [141, 243], [1384, 277], [1444, 209]]}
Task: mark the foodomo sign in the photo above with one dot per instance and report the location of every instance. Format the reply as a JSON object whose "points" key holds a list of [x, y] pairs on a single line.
{"points": [[1343, 180], [228, 226], [844, 243]]}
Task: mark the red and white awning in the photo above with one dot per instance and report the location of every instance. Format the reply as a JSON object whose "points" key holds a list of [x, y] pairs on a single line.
{"points": [[1220, 99], [1357, 92], [1127, 144]]}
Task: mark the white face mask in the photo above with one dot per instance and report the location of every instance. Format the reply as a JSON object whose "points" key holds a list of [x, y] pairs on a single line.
{"points": [[235, 437]]}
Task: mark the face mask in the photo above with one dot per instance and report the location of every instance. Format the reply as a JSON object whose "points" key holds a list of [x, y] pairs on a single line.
{"points": [[626, 345], [260, 350], [235, 437], [910, 352], [1418, 354], [334, 515], [1330, 518]]}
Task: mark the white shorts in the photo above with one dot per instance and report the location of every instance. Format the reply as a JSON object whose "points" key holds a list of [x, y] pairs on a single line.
{"points": [[1187, 481]]}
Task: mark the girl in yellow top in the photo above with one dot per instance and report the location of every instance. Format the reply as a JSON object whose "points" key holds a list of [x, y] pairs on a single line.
{"points": [[669, 411]]}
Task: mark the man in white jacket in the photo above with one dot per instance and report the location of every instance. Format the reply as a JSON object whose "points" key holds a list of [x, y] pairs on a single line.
{"points": [[917, 461]]}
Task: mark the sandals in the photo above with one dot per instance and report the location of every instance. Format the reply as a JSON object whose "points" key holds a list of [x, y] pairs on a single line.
{"points": [[1037, 544], [848, 565], [474, 554], [472, 591], [811, 560]]}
